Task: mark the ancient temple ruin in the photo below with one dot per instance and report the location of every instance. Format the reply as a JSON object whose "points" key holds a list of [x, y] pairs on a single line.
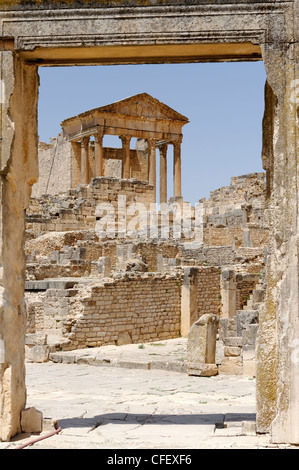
{"points": [[80, 153], [116, 32]]}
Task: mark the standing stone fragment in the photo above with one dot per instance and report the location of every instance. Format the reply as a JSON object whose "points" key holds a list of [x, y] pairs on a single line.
{"points": [[201, 346]]}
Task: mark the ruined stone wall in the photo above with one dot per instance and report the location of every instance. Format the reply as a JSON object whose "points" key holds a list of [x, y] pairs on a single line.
{"points": [[54, 166], [245, 284], [234, 214], [208, 291], [141, 307], [249, 188], [146, 309], [226, 224], [75, 254], [59, 164], [79, 208]]}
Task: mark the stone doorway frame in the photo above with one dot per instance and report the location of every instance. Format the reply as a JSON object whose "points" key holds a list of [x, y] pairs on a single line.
{"points": [[97, 33]]}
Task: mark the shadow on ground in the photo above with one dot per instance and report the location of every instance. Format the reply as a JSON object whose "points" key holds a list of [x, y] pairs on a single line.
{"points": [[216, 419]]}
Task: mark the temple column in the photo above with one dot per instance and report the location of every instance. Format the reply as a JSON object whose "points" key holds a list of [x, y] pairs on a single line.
{"points": [[84, 160], [126, 166], [98, 155], [177, 177], [163, 173], [152, 163]]}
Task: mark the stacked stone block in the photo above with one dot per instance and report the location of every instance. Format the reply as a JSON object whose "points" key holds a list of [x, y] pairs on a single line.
{"points": [[239, 335]]}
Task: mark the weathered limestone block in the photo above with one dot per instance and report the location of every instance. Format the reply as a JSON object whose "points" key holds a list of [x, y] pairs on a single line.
{"points": [[247, 328], [246, 318], [231, 365], [201, 346], [38, 353], [124, 338], [232, 351], [36, 339], [135, 265], [104, 266], [31, 420], [247, 240], [227, 328]]}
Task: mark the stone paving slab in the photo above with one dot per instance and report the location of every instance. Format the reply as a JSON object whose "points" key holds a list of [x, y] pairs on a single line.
{"points": [[166, 355], [123, 397], [120, 408]]}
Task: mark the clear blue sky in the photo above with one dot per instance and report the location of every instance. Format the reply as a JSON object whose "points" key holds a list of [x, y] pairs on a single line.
{"points": [[224, 103]]}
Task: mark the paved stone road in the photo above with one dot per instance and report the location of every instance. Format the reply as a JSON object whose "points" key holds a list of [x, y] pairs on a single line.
{"points": [[122, 408], [130, 407]]}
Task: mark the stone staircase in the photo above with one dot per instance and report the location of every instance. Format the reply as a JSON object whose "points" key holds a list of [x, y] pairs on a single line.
{"points": [[239, 334]]}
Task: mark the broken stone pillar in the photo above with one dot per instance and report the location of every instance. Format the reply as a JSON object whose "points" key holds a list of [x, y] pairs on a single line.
{"points": [[247, 329], [123, 254], [228, 293], [201, 346], [247, 243], [231, 363], [189, 313], [19, 170], [104, 266], [160, 263]]}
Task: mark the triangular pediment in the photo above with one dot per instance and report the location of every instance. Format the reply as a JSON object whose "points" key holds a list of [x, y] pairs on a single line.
{"points": [[143, 105]]}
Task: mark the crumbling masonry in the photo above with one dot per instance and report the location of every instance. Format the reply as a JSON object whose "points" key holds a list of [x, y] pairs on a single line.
{"points": [[226, 275]]}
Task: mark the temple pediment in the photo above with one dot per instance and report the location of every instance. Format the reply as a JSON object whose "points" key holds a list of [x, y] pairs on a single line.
{"points": [[144, 106], [139, 107], [140, 116]]}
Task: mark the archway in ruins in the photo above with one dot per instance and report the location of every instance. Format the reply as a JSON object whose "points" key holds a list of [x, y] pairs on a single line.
{"points": [[270, 36]]}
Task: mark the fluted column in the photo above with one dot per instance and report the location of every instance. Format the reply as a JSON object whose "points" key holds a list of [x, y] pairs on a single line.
{"points": [[177, 177], [98, 155], [163, 173], [84, 160], [152, 163], [126, 166]]}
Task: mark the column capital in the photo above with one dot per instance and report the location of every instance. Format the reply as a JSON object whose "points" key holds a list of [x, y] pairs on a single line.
{"points": [[177, 143], [163, 148], [125, 138], [152, 142], [85, 141], [162, 143], [98, 136]]}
